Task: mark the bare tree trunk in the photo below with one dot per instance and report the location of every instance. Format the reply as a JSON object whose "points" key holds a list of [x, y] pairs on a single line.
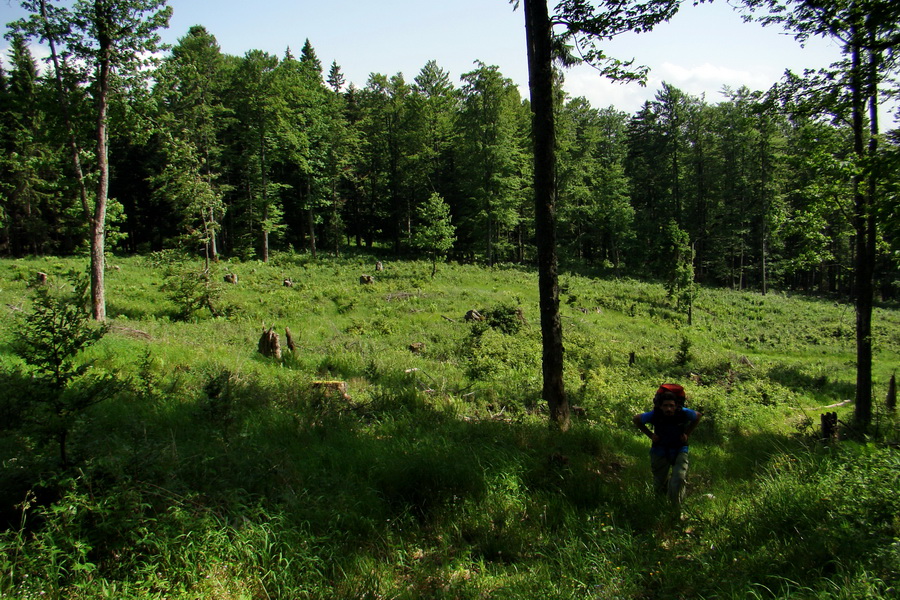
{"points": [[98, 223], [864, 260], [67, 117], [211, 250], [540, 75], [265, 195]]}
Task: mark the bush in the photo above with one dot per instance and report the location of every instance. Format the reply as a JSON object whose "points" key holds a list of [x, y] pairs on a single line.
{"points": [[58, 388]]}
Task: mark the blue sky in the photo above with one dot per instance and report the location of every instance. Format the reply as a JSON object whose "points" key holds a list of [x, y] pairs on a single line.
{"points": [[701, 50]]}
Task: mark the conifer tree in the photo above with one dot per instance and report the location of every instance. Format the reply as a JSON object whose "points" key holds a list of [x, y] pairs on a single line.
{"points": [[189, 88]]}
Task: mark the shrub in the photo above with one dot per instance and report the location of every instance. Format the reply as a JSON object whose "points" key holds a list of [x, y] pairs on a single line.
{"points": [[50, 338], [190, 287]]}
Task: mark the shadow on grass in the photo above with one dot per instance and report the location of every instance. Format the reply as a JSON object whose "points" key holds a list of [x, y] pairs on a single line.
{"points": [[338, 485], [820, 384]]}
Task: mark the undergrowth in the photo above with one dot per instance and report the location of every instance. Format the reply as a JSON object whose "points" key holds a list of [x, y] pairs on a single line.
{"points": [[217, 473]]}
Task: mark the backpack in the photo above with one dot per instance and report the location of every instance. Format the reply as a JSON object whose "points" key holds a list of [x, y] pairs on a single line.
{"points": [[672, 388]]}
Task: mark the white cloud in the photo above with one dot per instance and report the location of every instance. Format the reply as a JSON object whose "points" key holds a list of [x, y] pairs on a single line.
{"points": [[709, 79], [704, 79], [601, 92]]}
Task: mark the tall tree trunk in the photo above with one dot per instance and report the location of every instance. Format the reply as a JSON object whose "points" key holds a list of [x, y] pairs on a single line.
{"points": [[212, 252], [540, 77], [213, 249], [67, 118], [310, 215], [98, 223], [265, 195], [311, 225], [864, 262]]}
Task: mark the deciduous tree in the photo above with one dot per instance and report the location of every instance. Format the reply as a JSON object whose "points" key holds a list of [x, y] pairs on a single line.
{"points": [[869, 32], [111, 41], [583, 24]]}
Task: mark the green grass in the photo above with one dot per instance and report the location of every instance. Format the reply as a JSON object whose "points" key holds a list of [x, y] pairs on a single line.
{"points": [[221, 474]]}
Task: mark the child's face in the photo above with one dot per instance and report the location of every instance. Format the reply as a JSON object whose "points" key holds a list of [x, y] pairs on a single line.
{"points": [[668, 407]]}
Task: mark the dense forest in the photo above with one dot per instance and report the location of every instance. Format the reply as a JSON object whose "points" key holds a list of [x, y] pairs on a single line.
{"points": [[240, 155]]}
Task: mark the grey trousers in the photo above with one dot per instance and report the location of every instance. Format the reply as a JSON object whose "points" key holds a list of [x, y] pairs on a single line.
{"points": [[663, 482]]}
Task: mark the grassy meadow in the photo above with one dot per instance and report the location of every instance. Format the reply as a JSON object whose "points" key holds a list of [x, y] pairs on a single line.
{"points": [[214, 472]]}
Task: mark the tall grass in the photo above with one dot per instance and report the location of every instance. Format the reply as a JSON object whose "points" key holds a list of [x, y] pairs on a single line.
{"points": [[218, 473]]}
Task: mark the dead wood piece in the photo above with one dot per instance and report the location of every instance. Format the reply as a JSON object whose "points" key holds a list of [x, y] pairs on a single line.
{"points": [[829, 426], [231, 278], [137, 333], [366, 279], [269, 344], [288, 282], [474, 315], [417, 347], [332, 388], [291, 346], [579, 411], [399, 296], [448, 319], [746, 361]]}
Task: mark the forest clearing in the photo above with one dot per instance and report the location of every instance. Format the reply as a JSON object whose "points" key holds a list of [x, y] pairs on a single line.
{"points": [[211, 471], [267, 333]]}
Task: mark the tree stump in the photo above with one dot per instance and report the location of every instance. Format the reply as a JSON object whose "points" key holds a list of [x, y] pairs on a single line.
{"points": [[40, 278], [417, 347], [231, 278], [291, 346], [829, 427], [288, 282], [332, 389], [631, 359], [366, 279], [474, 315], [269, 344], [379, 267]]}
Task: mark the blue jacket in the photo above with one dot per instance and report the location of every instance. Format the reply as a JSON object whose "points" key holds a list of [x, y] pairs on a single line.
{"points": [[669, 430]]}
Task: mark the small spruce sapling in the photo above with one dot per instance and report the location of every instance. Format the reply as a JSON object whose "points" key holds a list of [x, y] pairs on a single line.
{"points": [[436, 234], [50, 339], [680, 285], [190, 288]]}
